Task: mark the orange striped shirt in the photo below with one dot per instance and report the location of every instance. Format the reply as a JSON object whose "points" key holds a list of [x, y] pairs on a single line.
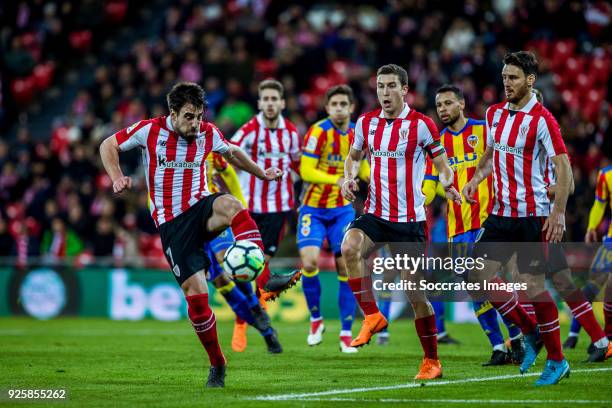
{"points": [[464, 150], [331, 147]]}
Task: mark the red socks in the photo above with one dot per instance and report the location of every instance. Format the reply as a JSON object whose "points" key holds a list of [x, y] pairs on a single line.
{"points": [[205, 326], [509, 308], [244, 227], [548, 322], [362, 290], [583, 312], [428, 335], [263, 277]]}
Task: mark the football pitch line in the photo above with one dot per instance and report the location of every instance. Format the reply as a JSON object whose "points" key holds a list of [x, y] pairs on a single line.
{"points": [[315, 396]]}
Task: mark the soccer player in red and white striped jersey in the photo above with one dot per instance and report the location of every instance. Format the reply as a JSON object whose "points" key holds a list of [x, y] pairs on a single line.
{"points": [[521, 133], [271, 140], [397, 138], [174, 150]]}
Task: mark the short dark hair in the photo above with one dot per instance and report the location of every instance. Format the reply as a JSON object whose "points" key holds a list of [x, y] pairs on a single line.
{"points": [[340, 90], [184, 93], [451, 88], [525, 60], [394, 69], [271, 84]]}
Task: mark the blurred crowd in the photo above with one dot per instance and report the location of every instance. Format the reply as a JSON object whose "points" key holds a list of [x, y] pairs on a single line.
{"points": [[55, 199]]}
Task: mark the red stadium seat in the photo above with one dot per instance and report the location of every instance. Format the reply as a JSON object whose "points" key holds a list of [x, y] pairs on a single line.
{"points": [[265, 68], [80, 40], [115, 11], [43, 75], [23, 90]]}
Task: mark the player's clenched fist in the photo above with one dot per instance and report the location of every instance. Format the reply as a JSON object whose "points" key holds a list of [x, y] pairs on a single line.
{"points": [[121, 184], [349, 188]]}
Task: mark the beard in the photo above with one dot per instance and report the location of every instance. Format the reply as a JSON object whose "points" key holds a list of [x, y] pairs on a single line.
{"points": [[451, 120], [519, 94]]}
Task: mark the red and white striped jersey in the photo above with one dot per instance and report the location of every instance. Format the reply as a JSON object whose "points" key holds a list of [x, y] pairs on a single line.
{"points": [[175, 169], [267, 147], [397, 151], [521, 142]]}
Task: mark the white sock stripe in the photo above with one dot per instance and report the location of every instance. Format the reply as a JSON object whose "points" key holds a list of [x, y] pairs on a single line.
{"points": [[429, 335], [246, 233], [197, 326], [583, 312], [580, 306], [608, 307], [505, 304], [556, 321], [557, 327], [361, 291], [509, 310]]}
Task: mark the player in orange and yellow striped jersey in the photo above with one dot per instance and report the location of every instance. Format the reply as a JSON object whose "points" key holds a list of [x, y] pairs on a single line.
{"points": [[603, 199], [464, 140], [325, 213]]}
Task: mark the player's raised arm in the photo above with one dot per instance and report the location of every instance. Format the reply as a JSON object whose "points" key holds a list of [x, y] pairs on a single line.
{"points": [[238, 158]]}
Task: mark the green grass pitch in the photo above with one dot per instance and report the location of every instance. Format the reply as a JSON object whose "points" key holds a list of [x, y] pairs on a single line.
{"points": [[106, 363]]}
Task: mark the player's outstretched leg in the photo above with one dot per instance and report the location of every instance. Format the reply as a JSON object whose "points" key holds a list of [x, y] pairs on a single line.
{"points": [[244, 227], [354, 246], [487, 317]]}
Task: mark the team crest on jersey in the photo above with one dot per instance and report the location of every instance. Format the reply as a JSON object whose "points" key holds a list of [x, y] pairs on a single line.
{"points": [[200, 142], [403, 134], [523, 130], [472, 141]]}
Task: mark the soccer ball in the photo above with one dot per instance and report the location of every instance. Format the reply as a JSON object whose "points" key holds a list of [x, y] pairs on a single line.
{"points": [[244, 261]]}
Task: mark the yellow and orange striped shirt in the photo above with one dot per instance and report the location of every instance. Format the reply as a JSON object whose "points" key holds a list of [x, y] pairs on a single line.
{"points": [[602, 198], [325, 150], [464, 150]]}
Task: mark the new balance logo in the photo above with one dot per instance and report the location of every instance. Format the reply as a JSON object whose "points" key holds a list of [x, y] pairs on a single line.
{"points": [[372, 132]]}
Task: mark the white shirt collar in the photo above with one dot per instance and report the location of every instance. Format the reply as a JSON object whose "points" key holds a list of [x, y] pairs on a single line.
{"points": [[528, 106], [262, 123], [403, 114]]}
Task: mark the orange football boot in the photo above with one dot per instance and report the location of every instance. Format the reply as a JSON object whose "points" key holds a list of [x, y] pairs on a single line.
{"points": [[239, 337], [429, 369], [609, 352], [371, 324]]}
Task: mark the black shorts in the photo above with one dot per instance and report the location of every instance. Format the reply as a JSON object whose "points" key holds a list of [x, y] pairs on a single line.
{"points": [[531, 258], [270, 227], [183, 239], [380, 231]]}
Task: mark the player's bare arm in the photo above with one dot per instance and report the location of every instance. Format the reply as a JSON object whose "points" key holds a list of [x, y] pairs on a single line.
{"points": [[484, 170], [109, 152], [238, 158], [446, 177], [555, 223], [351, 171]]}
